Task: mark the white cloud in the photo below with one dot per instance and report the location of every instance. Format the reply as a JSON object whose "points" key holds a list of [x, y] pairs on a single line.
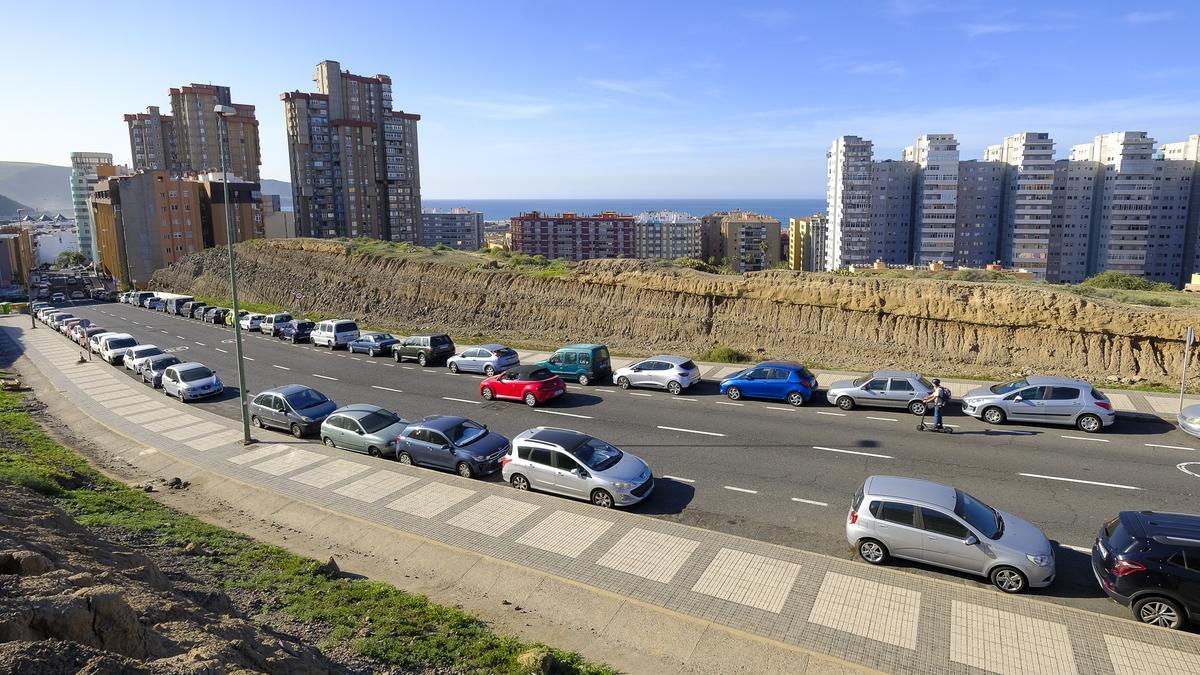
{"points": [[642, 88], [504, 110], [1148, 17]]}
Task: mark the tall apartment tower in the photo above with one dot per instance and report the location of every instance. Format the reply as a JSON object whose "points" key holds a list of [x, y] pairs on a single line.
{"points": [[936, 196], [152, 141], [354, 161], [1028, 192], [849, 199], [977, 221], [199, 137], [887, 235], [1187, 154], [1077, 187], [83, 181]]}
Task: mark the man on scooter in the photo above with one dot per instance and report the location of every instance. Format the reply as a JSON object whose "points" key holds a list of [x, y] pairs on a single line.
{"points": [[937, 398]]}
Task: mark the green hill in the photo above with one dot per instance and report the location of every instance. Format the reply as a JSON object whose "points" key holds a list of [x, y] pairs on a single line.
{"points": [[44, 187], [9, 207]]}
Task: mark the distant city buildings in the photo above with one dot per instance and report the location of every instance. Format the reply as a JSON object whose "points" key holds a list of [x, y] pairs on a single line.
{"points": [[666, 234], [17, 257], [354, 161], [571, 236], [49, 244], [85, 172], [457, 228], [748, 241], [806, 243]]}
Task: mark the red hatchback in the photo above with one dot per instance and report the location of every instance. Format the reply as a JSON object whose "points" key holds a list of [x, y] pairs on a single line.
{"points": [[532, 384]]}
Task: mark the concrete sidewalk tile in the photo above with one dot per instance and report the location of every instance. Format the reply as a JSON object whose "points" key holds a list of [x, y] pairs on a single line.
{"points": [[1121, 402], [748, 579], [214, 441], [150, 415], [286, 463], [136, 408], [258, 453], [430, 499], [328, 474], [1130, 657], [493, 515], [565, 533], [124, 401], [1008, 643], [868, 609], [376, 486], [1163, 405], [651, 555], [202, 429], [110, 393], [171, 422]]}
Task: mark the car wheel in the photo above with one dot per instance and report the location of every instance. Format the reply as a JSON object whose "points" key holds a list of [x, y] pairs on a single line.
{"points": [[1009, 579], [583, 380], [993, 415], [396, 355], [257, 423], [674, 388], [602, 499], [872, 551], [328, 442], [487, 394], [373, 451], [404, 458], [489, 371], [530, 399], [464, 470], [421, 359], [519, 482], [1158, 611], [796, 399], [332, 345], [454, 367], [297, 432], [623, 382], [733, 393], [845, 403], [1089, 423], [373, 353], [917, 408]]}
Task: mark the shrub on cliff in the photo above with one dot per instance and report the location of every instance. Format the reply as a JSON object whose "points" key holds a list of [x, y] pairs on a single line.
{"points": [[1125, 282], [723, 354]]}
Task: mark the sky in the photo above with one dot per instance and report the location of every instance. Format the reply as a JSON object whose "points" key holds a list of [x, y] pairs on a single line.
{"points": [[564, 99]]}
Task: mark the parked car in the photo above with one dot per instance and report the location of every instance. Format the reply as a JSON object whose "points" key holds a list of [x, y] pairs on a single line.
{"points": [[177, 306], [487, 359], [114, 345], [156, 304], [199, 310], [532, 384], [1150, 561], [85, 337], [292, 407], [334, 333], [188, 309], [424, 349], [144, 298], [57, 297], [882, 389], [271, 323], [57, 320], [1042, 399], [191, 381], [136, 356], [363, 428], [77, 295], [452, 443], [673, 373], [153, 368], [251, 322], [94, 341], [296, 330], [584, 363], [67, 324], [946, 527], [777, 380], [373, 344], [229, 318], [215, 315], [574, 464]]}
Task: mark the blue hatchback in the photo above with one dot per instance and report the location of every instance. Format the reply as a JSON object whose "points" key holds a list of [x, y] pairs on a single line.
{"points": [[779, 380], [296, 330]]}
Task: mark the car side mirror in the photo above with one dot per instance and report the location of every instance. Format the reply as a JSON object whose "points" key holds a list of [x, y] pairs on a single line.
{"points": [[971, 540], [447, 448], [360, 432], [1018, 398]]}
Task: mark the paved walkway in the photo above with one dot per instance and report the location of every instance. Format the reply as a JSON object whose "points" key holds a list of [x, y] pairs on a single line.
{"points": [[877, 617]]}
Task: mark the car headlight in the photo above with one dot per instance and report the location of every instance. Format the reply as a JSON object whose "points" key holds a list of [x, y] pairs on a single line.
{"points": [[1040, 560], [972, 402], [306, 419], [1191, 420], [622, 485]]}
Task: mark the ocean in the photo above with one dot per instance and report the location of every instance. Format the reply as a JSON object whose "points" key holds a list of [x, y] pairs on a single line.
{"points": [[503, 209]]}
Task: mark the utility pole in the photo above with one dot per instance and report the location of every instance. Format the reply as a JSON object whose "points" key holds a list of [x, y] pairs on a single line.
{"points": [[224, 112]]}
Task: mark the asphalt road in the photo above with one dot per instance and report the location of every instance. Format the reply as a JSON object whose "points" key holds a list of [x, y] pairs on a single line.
{"points": [[758, 469]]}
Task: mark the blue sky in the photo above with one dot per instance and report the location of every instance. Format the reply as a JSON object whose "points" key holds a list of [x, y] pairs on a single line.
{"points": [[620, 99]]}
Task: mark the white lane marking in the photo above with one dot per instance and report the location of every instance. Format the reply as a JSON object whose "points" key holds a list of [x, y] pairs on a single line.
{"points": [[1076, 548], [738, 489], [1084, 438], [375, 386], [1183, 467], [691, 431], [390, 365], [180, 337], [325, 377], [852, 452], [280, 367], [220, 350], [607, 391], [1167, 447], [727, 403], [681, 480], [408, 367], [884, 419], [680, 398], [638, 393], [165, 332], [247, 358], [461, 400], [555, 412], [823, 412], [809, 501], [1076, 480], [775, 407], [201, 344]]}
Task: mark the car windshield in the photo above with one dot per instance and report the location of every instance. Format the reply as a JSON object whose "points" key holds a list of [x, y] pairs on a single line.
{"points": [[596, 454], [466, 432], [167, 362], [305, 398], [1011, 386], [981, 516], [380, 419], [149, 351], [304, 325], [505, 353], [281, 318], [193, 374], [122, 342], [439, 340]]}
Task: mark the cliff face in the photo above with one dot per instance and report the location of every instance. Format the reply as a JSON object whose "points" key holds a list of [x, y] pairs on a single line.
{"points": [[838, 322]]}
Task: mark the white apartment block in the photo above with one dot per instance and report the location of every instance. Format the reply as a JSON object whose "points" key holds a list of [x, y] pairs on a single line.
{"points": [[83, 181], [666, 234], [1028, 194], [849, 197], [936, 157]]}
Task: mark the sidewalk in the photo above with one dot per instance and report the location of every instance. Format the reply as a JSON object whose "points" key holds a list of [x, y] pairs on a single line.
{"points": [[876, 617]]}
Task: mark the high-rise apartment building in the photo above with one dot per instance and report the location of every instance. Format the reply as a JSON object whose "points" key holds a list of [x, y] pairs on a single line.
{"points": [[806, 243], [83, 180], [887, 235], [199, 137], [849, 198], [666, 234], [571, 236], [1028, 193], [354, 162], [977, 230], [936, 199], [458, 228], [748, 241], [1076, 191], [152, 141]]}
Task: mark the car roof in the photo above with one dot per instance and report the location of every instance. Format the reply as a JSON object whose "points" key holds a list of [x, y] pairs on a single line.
{"points": [[896, 373], [582, 345], [780, 364], [524, 370], [915, 489], [357, 410], [669, 358], [428, 335], [1054, 379], [442, 422], [161, 357], [1168, 528], [118, 335], [563, 438], [190, 365], [491, 347], [144, 347], [285, 390]]}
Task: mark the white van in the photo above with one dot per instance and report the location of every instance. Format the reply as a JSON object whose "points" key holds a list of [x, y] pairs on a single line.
{"points": [[334, 333], [114, 345], [271, 323]]}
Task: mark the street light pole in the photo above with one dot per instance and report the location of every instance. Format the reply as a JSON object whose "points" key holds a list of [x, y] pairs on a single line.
{"points": [[224, 111]]}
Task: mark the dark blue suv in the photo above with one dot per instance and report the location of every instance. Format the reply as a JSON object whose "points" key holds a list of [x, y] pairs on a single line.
{"points": [[779, 380], [296, 330], [1150, 561]]}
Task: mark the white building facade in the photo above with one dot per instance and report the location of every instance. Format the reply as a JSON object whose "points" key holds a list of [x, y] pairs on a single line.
{"points": [[849, 200], [935, 197], [666, 234], [83, 180]]}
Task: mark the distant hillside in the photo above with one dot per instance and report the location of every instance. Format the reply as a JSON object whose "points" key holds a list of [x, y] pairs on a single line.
{"points": [[9, 207], [281, 188], [44, 187]]}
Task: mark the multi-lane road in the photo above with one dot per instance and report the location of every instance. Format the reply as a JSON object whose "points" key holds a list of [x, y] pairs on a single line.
{"points": [[759, 469]]}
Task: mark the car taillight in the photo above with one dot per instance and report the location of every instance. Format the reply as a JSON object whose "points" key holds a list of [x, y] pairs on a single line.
{"points": [[1104, 404], [1123, 567], [504, 462], [853, 517]]}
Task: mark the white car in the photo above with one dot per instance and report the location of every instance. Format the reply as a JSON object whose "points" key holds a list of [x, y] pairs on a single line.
{"points": [[191, 381], [334, 333], [252, 321], [94, 341], [114, 345], [136, 357], [58, 297], [77, 295]]}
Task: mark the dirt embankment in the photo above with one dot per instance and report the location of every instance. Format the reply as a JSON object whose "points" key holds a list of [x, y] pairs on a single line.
{"points": [[633, 306]]}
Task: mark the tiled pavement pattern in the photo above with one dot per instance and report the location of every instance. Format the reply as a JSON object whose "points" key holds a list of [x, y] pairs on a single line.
{"points": [[878, 617]]}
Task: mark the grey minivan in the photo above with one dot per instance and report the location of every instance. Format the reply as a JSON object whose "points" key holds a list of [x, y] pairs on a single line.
{"points": [[1044, 399], [946, 527], [363, 427], [293, 407], [884, 389], [574, 464]]}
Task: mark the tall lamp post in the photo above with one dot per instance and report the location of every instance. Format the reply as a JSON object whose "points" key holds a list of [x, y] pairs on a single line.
{"points": [[224, 112]]}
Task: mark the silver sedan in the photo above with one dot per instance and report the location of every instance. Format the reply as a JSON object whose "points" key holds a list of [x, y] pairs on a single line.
{"points": [[673, 373], [884, 389]]}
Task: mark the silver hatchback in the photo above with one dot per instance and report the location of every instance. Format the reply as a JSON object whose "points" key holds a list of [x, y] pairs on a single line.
{"points": [[574, 464], [946, 527], [673, 373], [1042, 399], [884, 389], [487, 359]]}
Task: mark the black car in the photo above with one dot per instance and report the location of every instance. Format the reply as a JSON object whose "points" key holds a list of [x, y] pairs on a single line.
{"points": [[198, 310], [1150, 561], [215, 315], [424, 349], [296, 330]]}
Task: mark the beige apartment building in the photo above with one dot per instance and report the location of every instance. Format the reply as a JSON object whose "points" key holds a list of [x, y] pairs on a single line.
{"points": [[666, 235], [749, 241], [806, 243]]}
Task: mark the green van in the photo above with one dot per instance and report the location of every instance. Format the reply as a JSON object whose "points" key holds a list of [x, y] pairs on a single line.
{"points": [[585, 363]]}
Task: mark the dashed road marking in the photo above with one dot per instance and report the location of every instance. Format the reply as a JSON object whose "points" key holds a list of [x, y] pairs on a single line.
{"points": [[681, 480], [1076, 480], [463, 400], [638, 393], [220, 350], [201, 344], [728, 403], [280, 367], [775, 407], [680, 398], [883, 419], [555, 412], [408, 367], [1084, 438], [825, 412], [376, 386], [691, 431], [851, 452], [809, 501], [1167, 447], [180, 337], [607, 391], [248, 358], [738, 489], [325, 377]]}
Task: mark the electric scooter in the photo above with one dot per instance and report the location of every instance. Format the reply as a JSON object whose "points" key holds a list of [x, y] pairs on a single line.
{"points": [[924, 427]]}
